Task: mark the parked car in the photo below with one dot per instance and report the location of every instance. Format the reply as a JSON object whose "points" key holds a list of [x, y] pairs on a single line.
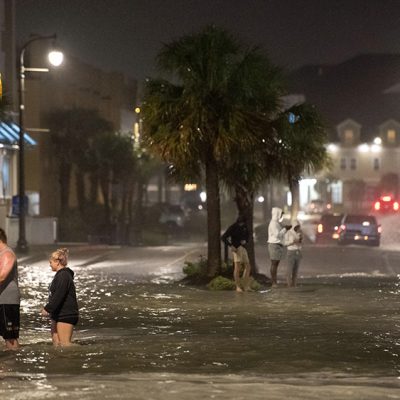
{"points": [[359, 229], [261, 233], [172, 216], [386, 204], [328, 228]]}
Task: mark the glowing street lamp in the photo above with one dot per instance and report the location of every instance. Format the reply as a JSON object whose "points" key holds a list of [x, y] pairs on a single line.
{"points": [[56, 59]]}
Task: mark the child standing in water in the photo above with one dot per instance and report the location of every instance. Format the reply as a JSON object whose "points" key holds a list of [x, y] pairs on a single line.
{"points": [[293, 241], [62, 306]]}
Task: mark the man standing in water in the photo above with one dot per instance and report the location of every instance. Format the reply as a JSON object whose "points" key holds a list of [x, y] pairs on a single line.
{"points": [[9, 294], [276, 235], [236, 236]]}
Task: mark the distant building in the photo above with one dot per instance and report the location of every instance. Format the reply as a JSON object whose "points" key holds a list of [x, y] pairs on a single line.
{"points": [[74, 85], [359, 101]]}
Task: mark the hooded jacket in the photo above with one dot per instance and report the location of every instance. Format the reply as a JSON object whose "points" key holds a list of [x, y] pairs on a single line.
{"points": [[236, 235], [276, 232], [293, 239], [62, 298]]}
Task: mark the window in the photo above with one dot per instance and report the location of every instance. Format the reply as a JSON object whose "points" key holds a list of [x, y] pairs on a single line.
{"points": [[5, 177], [337, 192], [348, 136], [376, 164], [342, 163], [353, 164], [391, 136]]}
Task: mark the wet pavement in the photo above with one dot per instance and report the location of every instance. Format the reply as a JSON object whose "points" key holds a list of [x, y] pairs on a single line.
{"points": [[143, 335]]}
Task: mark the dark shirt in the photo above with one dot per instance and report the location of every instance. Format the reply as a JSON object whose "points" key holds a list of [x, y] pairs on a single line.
{"points": [[235, 235], [62, 298]]}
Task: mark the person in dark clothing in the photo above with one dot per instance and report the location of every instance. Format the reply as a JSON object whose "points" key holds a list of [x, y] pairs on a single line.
{"points": [[237, 236], [62, 306]]}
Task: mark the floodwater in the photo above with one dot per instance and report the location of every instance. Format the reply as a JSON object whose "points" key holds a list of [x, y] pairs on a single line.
{"points": [[157, 339]]}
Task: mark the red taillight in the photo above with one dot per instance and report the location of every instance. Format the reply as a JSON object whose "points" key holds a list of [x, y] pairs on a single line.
{"points": [[377, 206], [386, 198], [320, 228], [396, 206]]}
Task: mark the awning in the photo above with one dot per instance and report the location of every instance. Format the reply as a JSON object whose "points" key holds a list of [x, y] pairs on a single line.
{"points": [[9, 134]]}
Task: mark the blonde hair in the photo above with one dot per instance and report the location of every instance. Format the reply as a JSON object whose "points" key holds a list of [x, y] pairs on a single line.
{"points": [[61, 255]]}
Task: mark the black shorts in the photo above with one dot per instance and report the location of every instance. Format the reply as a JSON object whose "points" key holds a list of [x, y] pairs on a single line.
{"points": [[9, 321], [67, 320]]}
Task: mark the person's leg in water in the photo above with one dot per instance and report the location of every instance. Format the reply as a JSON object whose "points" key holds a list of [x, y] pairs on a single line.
{"points": [[274, 272], [295, 270], [246, 277], [64, 332], [12, 344], [290, 268], [236, 276], [54, 334]]}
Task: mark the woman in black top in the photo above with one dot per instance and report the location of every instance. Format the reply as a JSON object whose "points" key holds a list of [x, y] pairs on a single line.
{"points": [[62, 306]]}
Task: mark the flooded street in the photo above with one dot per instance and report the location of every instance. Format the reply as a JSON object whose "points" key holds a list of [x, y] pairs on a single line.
{"points": [[155, 338]]}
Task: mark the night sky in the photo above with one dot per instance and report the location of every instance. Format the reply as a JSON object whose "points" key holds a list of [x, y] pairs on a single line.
{"points": [[125, 35]]}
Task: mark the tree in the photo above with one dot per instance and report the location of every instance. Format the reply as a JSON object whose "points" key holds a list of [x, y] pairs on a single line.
{"points": [[300, 147], [214, 105], [73, 135]]}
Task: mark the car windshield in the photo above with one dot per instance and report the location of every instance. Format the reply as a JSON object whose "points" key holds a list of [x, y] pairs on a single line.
{"points": [[331, 219], [360, 219]]}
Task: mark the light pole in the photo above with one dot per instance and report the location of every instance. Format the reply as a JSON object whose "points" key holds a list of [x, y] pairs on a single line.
{"points": [[55, 59]]}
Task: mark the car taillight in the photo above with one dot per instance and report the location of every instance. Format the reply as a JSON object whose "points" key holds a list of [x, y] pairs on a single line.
{"points": [[386, 198], [379, 229], [377, 206], [396, 206], [320, 228]]}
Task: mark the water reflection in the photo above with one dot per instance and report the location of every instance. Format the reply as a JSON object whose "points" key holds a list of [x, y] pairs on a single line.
{"points": [[330, 325]]}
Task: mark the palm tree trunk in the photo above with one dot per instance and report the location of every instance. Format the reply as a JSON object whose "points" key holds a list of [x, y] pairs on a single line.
{"points": [[94, 185], [64, 181], [80, 192], [294, 190], [213, 218], [245, 205]]}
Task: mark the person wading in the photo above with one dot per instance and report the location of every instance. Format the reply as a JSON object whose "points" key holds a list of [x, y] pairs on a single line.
{"points": [[237, 236], [276, 236]]}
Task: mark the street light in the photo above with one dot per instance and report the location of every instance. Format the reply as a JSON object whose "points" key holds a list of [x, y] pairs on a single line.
{"points": [[55, 58]]}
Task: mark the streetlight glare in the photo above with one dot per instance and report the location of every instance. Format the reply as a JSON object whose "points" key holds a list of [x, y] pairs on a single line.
{"points": [[56, 58]]}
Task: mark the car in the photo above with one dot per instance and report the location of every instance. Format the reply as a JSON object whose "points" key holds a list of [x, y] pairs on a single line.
{"points": [[317, 207], [359, 229], [386, 204], [172, 216], [327, 228]]}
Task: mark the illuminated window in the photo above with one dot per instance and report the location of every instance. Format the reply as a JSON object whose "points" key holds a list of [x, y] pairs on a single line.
{"points": [[391, 136], [348, 136], [353, 163], [376, 164], [342, 163]]}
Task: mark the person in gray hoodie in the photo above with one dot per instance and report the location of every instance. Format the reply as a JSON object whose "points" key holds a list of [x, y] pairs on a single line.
{"points": [[276, 237]]}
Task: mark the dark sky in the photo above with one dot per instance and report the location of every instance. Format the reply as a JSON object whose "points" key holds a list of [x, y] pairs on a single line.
{"points": [[125, 35]]}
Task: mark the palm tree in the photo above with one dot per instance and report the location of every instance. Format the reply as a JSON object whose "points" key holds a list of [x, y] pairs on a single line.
{"points": [[73, 134], [214, 105], [301, 147]]}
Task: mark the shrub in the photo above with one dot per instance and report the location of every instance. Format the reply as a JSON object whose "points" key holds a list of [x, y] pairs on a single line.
{"points": [[221, 283], [196, 269]]}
